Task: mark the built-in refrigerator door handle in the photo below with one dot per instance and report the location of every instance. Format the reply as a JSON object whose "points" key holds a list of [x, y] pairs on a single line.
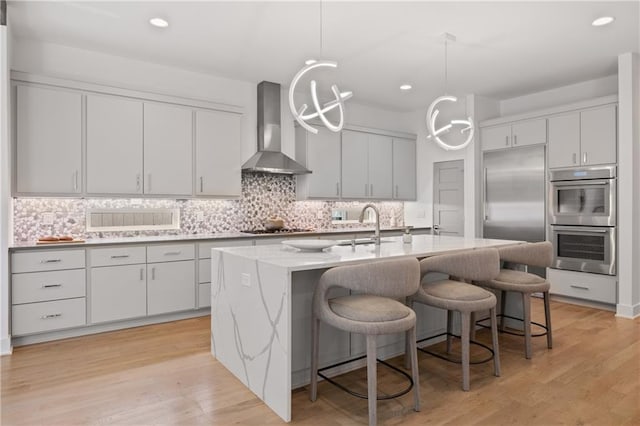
{"points": [[484, 194], [574, 158]]}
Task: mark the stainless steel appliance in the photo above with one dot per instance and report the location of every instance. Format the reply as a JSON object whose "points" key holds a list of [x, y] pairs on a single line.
{"points": [[582, 219], [584, 248], [583, 196], [513, 194]]}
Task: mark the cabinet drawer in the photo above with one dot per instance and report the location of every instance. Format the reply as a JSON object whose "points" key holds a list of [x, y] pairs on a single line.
{"points": [[117, 256], [167, 253], [204, 249], [48, 316], [204, 270], [582, 285], [43, 286], [204, 295], [49, 260]]}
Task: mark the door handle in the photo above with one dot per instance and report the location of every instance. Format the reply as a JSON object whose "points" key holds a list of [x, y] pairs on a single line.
{"points": [[149, 182], [584, 158], [153, 273], [574, 158], [515, 139], [51, 285], [138, 182], [201, 184], [337, 189], [484, 194], [141, 274], [396, 191], [366, 190], [75, 181], [506, 140], [371, 194]]}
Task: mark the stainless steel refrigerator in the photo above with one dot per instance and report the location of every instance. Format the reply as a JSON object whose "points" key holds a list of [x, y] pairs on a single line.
{"points": [[514, 194]]}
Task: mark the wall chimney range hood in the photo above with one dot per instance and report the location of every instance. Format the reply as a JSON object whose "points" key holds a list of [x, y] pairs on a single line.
{"points": [[269, 158]]}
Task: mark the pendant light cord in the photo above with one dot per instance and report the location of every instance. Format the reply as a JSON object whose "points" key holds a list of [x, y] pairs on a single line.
{"points": [[321, 35], [446, 77]]}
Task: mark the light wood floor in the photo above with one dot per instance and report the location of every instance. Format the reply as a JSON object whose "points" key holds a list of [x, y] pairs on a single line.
{"points": [[164, 374]]}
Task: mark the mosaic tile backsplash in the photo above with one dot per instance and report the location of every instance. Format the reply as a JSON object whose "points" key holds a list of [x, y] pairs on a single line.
{"points": [[263, 196]]}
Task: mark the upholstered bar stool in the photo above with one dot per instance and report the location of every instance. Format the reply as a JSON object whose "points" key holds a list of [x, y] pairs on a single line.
{"points": [[454, 295], [525, 283], [372, 313]]}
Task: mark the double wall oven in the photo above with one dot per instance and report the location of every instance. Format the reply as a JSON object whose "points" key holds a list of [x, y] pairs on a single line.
{"points": [[582, 219]]}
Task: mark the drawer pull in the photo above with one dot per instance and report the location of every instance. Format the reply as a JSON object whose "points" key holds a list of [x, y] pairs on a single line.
{"points": [[120, 256], [51, 285], [579, 286], [51, 261], [51, 316], [172, 253]]}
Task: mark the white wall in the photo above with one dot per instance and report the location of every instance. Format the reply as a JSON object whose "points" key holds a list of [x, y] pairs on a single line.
{"points": [[5, 192], [629, 185], [560, 96]]}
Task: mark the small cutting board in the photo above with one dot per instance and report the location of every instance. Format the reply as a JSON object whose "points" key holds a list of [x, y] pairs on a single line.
{"points": [[75, 240]]}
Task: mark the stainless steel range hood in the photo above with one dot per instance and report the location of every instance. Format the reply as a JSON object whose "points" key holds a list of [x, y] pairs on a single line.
{"points": [[269, 158]]}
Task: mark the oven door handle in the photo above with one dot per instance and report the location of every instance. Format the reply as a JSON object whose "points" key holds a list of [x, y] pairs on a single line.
{"points": [[581, 182], [579, 231]]}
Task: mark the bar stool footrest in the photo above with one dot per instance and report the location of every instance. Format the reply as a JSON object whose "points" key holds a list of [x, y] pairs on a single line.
{"points": [[514, 333], [456, 360], [359, 395]]}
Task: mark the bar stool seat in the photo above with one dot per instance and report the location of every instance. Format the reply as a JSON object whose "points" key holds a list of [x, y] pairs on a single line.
{"points": [[368, 308], [512, 280]]}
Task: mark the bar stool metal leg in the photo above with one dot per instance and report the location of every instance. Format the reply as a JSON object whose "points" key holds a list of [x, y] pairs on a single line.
{"points": [[503, 308], [413, 351], [315, 334], [547, 319], [494, 340], [372, 379], [449, 330], [526, 316]]}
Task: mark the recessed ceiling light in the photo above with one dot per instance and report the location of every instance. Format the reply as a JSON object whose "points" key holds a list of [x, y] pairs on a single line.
{"points": [[310, 61], [159, 22], [405, 87], [603, 20]]}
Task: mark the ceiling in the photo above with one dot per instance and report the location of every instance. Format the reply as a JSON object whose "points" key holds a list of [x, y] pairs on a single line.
{"points": [[504, 49]]}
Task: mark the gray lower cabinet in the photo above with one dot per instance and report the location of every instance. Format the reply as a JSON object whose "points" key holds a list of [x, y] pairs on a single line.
{"points": [[118, 292], [171, 287]]}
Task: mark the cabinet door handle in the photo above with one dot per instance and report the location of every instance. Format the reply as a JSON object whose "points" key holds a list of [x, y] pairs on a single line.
{"points": [[120, 256], [584, 158], [51, 285], [574, 158], [138, 182], [172, 253], [337, 188], [201, 184], [149, 182], [51, 261], [515, 139], [366, 190], [371, 194], [579, 286], [50, 316], [75, 181], [153, 273], [396, 191], [141, 274], [506, 140]]}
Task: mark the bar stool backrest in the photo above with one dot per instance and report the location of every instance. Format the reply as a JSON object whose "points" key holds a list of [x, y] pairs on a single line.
{"points": [[532, 254], [476, 265]]}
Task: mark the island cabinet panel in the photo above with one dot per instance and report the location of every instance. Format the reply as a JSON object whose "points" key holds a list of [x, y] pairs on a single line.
{"points": [[168, 152], [114, 145], [171, 287], [118, 292], [48, 141]]}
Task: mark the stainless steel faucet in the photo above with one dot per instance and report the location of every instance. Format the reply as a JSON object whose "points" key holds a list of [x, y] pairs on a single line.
{"points": [[376, 236]]}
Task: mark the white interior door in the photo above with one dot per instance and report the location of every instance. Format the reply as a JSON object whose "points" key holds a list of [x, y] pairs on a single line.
{"points": [[448, 198]]}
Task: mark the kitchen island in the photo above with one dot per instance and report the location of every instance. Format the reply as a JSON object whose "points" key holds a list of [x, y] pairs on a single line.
{"points": [[261, 310]]}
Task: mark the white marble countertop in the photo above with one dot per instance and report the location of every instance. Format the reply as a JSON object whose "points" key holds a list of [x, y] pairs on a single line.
{"points": [[143, 239], [293, 259]]}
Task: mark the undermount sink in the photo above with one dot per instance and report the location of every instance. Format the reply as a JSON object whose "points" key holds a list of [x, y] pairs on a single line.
{"points": [[359, 241]]}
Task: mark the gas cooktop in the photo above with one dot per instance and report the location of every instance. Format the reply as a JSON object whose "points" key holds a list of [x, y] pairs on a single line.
{"points": [[277, 231]]}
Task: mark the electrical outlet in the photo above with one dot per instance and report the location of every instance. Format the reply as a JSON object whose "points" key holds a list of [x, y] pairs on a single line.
{"points": [[199, 216], [319, 214], [246, 279], [48, 218]]}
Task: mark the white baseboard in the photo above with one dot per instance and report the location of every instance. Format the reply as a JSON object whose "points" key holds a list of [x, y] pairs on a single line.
{"points": [[628, 311], [5, 346], [583, 302]]}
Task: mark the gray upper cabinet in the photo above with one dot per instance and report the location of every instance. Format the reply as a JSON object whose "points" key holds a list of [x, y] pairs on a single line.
{"points": [[48, 141], [168, 154], [583, 138], [114, 145], [518, 133], [355, 164], [380, 167], [404, 169], [320, 153], [218, 156]]}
